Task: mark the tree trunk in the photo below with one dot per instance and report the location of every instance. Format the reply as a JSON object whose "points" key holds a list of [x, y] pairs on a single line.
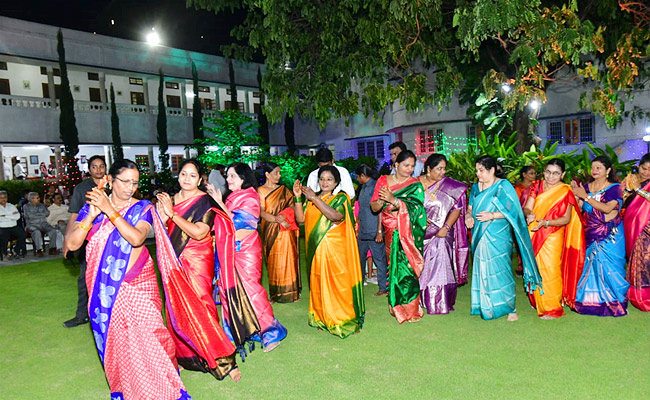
{"points": [[521, 124], [289, 136]]}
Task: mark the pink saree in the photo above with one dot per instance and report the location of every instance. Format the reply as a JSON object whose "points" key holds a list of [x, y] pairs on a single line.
{"points": [[636, 222]]}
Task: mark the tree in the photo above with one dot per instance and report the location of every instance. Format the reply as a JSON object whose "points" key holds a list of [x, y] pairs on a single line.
{"points": [[231, 137], [289, 134], [161, 126], [197, 115], [118, 152], [261, 118], [67, 122], [233, 86], [334, 59]]}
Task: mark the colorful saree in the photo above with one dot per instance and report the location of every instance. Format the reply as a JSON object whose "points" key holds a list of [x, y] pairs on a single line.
{"points": [[134, 346], [197, 259], [559, 250], [280, 247], [244, 204], [404, 235], [493, 285], [637, 242], [336, 289], [445, 258], [602, 288]]}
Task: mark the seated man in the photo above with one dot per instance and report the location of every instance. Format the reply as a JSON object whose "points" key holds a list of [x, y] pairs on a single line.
{"points": [[59, 214], [9, 217], [36, 215]]}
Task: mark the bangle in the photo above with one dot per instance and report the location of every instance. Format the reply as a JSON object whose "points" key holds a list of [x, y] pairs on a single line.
{"points": [[396, 203], [445, 225], [298, 199], [380, 231], [546, 226], [172, 216], [84, 227], [114, 216]]}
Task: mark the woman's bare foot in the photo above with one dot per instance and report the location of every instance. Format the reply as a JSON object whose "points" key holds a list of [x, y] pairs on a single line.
{"points": [[235, 374], [415, 319], [512, 317], [271, 347]]}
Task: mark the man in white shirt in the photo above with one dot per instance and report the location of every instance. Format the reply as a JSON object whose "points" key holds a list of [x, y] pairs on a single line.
{"points": [[9, 217], [397, 148], [19, 170], [325, 157], [59, 214], [216, 178]]}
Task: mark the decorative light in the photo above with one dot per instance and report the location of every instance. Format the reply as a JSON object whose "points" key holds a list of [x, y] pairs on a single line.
{"points": [[189, 95], [534, 104], [506, 88], [646, 138]]}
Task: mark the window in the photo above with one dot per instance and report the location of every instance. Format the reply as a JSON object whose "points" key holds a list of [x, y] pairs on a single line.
{"points": [[430, 141], [3, 65], [571, 130], [4, 87], [46, 91], [204, 89], [137, 98], [239, 104], [93, 76], [257, 108], [135, 81], [174, 101], [55, 71], [256, 95], [206, 104], [176, 160], [171, 85], [472, 134], [95, 95], [371, 148]]}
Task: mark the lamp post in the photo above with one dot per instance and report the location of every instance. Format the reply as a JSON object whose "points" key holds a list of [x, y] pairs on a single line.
{"points": [[153, 38]]}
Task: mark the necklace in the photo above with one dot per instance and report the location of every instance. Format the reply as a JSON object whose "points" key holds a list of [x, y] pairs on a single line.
{"points": [[432, 195], [125, 205], [603, 186], [399, 182]]}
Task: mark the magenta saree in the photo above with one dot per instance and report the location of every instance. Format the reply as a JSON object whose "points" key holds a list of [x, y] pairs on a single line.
{"points": [[637, 242]]}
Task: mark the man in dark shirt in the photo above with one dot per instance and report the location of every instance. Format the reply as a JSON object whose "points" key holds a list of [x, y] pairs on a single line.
{"points": [[97, 168]]}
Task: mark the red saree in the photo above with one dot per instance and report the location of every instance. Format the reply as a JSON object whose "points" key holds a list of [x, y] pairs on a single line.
{"points": [[197, 259]]}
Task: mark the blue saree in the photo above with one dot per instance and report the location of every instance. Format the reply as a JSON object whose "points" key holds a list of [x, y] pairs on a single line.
{"points": [[493, 284]]}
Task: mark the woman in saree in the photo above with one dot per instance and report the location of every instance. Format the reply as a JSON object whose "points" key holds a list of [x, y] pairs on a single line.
{"points": [[242, 205], [189, 218], [336, 289], [400, 198], [445, 242], [527, 176], [637, 235], [558, 240], [602, 289], [280, 237], [494, 214], [134, 346]]}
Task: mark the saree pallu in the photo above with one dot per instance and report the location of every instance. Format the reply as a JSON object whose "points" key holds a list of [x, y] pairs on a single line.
{"points": [[602, 288], [197, 259], [637, 242], [244, 204], [493, 285], [404, 235], [336, 301], [134, 346], [280, 248], [445, 258], [559, 250]]}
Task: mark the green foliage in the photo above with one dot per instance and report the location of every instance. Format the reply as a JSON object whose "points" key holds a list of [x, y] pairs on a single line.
{"points": [[118, 152], [15, 189], [67, 122], [224, 139], [197, 114], [462, 166], [161, 126], [293, 167], [337, 58], [352, 163]]}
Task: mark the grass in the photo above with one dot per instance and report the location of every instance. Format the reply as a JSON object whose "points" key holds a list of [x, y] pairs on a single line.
{"points": [[454, 356]]}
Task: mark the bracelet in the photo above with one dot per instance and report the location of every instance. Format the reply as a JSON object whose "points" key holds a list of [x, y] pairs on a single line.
{"points": [[445, 225], [114, 216], [297, 199], [546, 226], [642, 193], [380, 231], [396, 203], [84, 227]]}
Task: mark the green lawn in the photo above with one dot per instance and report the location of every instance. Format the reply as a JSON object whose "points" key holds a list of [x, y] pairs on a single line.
{"points": [[456, 356]]}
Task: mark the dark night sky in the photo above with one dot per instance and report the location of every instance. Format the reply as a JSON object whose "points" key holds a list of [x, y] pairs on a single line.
{"points": [[177, 25]]}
